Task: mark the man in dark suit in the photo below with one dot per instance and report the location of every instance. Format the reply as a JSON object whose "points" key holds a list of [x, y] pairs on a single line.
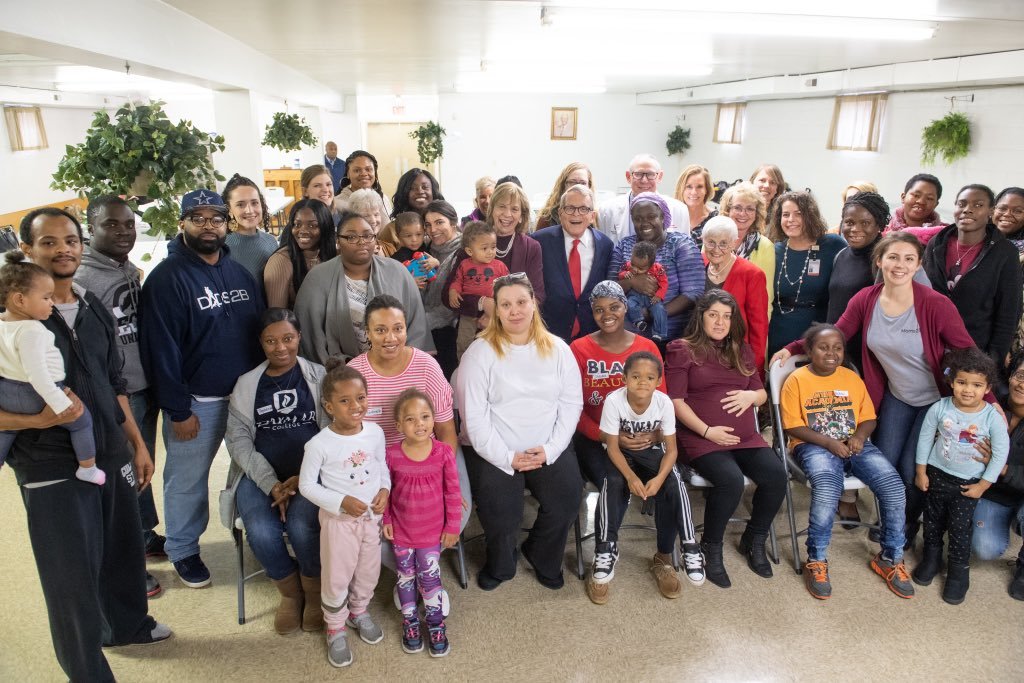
{"points": [[575, 258]]}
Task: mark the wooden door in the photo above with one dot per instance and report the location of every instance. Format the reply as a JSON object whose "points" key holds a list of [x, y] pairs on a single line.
{"points": [[395, 152]]}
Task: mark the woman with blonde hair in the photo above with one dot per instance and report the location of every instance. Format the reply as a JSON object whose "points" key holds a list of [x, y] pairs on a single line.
{"points": [[483, 189], [520, 397], [747, 209], [694, 189], [576, 173]]}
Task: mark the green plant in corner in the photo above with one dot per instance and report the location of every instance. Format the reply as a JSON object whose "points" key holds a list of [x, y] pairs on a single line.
{"points": [[678, 140], [429, 141], [288, 132], [140, 152], [949, 137]]}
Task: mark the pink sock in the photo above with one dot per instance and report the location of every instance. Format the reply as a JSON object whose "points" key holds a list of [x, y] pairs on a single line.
{"points": [[93, 475]]}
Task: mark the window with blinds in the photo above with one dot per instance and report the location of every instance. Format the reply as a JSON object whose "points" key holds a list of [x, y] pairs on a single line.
{"points": [[729, 123], [25, 128], [857, 123]]}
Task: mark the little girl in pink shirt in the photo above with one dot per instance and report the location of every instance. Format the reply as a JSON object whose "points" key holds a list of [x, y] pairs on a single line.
{"points": [[421, 518]]}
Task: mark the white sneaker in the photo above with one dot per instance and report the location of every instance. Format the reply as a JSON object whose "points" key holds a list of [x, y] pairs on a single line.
{"points": [[693, 564]]}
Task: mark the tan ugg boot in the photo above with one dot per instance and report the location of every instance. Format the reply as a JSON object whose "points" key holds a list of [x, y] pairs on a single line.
{"points": [[312, 612], [289, 612]]}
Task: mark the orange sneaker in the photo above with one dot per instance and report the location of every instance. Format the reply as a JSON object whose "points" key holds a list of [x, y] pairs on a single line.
{"points": [[895, 574], [816, 578]]}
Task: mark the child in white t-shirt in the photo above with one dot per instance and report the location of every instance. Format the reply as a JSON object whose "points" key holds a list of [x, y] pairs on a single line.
{"points": [[345, 474], [636, 408], [31, 366]]}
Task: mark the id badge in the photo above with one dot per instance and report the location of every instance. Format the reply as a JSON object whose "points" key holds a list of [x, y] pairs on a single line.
{"points": [[813, 262]]}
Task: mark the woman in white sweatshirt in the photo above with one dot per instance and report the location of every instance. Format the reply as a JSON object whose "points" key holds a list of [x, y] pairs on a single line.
{"points": [[520, 395]]}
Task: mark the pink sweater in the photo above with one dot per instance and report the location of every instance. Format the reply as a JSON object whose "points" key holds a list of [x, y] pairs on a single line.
{"points": [[425, 499]]}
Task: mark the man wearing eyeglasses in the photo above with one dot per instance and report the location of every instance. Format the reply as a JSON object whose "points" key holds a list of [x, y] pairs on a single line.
{"points": [[643, 175], [575, 258], [198, 332]]}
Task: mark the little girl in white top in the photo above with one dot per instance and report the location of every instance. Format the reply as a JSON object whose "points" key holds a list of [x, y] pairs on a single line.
{"points": [[344, 472], [31, 366]]}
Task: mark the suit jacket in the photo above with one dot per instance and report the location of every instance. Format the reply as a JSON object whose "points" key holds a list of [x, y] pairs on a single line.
{"points": [[560, 307]]}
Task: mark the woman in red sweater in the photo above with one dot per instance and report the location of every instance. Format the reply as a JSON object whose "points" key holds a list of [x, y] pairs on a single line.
{"points": [[905, 329], [739, 277], [600, 356]]}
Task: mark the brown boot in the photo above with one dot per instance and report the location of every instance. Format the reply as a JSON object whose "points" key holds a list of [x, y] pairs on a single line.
{"points": [[313, 611], [665, 574], [289, 612]]}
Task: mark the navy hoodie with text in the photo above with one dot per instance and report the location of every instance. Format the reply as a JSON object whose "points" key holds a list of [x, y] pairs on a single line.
{"points": [[198, 327]]}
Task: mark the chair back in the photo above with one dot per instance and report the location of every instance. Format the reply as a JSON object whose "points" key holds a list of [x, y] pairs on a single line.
{"points": [[778, 372]]}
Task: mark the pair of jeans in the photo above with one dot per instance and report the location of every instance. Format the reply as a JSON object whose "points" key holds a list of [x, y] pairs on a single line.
{"points": [[725, 469], [672, 517], [264, 531], [826, 473], [897, 433], [557, 487], [187, 478], [637, 304], [20, 398], [947, 510], [88, 551], [145, 411], [992, 528]]}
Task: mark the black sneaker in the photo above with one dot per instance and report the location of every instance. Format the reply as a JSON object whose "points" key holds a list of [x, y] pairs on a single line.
{"points": [[153, 588], [192, 572], [439, 645], [412, 640], [1016, 589], [155, 546]]}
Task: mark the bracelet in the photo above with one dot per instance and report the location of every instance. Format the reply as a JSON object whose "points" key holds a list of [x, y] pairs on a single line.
{"points": [[706, 432]]}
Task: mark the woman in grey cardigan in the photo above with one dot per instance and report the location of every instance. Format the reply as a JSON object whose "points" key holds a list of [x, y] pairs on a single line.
{"points": [[274, 410]]}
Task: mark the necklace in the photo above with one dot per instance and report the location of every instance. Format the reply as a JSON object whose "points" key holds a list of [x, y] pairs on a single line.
{"points": [[960, 257], [290, 379], [718, 275], [784, 272], [502, 253]]}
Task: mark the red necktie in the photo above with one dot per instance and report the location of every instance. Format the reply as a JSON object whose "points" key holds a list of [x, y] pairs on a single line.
{"points": [[576, 275]]}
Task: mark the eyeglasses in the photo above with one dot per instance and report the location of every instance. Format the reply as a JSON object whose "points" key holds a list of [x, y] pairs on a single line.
{"points": [[577, 210], [1016, 212], [644, 175], [201, 221], [717, 246], [742, 209], [359, 239], [510, 279], [1018, 376]]}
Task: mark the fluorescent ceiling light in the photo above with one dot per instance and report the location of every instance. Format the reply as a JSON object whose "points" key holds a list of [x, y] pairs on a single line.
{"points": [[486, 83], [104, 81], [876, 9]]}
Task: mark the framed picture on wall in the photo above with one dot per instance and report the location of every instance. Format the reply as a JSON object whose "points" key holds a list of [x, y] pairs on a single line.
{"points": [[563, 123]]}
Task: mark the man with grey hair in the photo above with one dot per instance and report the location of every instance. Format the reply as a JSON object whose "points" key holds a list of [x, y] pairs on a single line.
{"points": [[575, 257], [643, 175]]}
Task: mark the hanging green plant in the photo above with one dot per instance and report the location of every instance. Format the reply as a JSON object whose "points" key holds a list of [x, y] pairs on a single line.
{"points": [[140, 152], [678, 140], [429, 142], [949, 137], [288, 132]]}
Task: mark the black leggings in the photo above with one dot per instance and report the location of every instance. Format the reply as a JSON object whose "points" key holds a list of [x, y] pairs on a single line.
{"points": [[948, 509], [725, 469], [557, 487]]}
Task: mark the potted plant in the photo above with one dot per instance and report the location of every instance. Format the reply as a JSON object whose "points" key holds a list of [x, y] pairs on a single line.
{"points": [[429, 142], [678, 140], [140, 152], [288, 132], [948, 137]]}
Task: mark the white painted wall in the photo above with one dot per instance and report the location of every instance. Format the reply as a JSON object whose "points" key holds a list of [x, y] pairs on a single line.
{"points": [[499, 134], [793, 134], [25, 177]]}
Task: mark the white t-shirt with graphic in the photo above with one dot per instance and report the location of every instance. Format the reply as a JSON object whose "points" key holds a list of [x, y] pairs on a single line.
{"points": [[617, 415]]}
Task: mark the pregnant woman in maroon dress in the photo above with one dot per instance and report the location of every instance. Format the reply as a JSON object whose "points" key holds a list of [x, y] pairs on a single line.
{"points": [[719, 437]]}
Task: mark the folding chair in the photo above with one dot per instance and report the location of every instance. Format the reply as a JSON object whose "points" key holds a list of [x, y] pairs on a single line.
{"points": [[242, 577], [777, 375], [698, 482]]}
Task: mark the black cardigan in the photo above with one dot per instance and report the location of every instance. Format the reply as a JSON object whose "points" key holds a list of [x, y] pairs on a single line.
{"points": [[988, 295]]}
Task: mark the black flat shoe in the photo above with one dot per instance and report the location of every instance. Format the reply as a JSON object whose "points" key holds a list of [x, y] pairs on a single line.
{"points": [[486, 581], [849, 527], [554, 584]]}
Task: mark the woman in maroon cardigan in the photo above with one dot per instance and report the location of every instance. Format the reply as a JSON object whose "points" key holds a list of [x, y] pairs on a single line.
{"points": [[509, 212], [905, 329], [714, 387], [739, 277]]}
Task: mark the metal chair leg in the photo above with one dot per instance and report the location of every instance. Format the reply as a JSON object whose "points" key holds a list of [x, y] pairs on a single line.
{"points": [[577, 532], [774, 555], [236, 533], [460, 555]]}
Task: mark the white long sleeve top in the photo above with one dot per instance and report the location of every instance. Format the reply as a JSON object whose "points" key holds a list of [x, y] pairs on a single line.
{"points": [[518, 401], [336, 465], [28, 354]]}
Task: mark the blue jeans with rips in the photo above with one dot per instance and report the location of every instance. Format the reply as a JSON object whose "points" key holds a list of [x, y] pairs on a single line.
{"points": [[826, 472]]}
